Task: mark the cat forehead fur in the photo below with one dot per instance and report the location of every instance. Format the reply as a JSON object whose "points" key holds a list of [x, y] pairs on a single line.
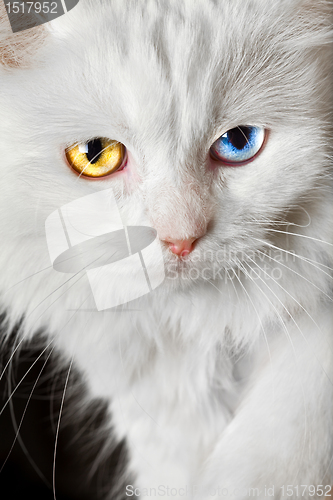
{"points": [[200, 62]]}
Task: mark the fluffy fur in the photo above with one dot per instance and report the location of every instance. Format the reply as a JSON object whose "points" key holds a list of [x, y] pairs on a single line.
{"points": [[222, 377]]}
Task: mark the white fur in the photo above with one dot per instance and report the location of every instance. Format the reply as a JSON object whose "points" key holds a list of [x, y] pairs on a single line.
{"points": [[214, 382]]}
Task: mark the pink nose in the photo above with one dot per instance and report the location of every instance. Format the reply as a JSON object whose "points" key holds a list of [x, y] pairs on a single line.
{"points": [[181, 247]]}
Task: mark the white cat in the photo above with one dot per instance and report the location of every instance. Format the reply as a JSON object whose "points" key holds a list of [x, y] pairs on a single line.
{"points": [[220, 379]]}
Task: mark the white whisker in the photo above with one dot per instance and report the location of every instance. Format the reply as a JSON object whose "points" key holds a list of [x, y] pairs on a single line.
{"points": [[287, 310], [50, 305], [301, 236], [58, 428], [295, 272], [24, 376], [304, 259], [275, 309], [18, 428], [259, 318]]}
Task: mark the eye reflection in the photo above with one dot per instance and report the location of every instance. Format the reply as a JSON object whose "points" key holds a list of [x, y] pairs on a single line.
{"points": [[97, 158], [238, 145]]}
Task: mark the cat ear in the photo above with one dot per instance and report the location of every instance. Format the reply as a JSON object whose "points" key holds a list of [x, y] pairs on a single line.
{"points": [[18, 49]]}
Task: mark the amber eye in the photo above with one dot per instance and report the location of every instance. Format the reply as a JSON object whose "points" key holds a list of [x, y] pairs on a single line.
{"points": [[96, 158]]}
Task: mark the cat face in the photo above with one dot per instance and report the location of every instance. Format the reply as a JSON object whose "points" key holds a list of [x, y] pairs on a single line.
{"points": [[168, 82]]}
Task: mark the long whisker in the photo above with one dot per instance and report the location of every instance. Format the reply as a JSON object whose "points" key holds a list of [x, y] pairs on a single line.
{"points": [[232, 282], [58, 429], [18, 428], [28, 277], [23, 338], [301, 236], [24, 376], [50, 267], [40, 355], [45, 298], [287, 310], [305, 259], [286, 291], [259, 318], [298, 274], [52, 396], [280, 221], [271, 303], [288, 336], [303, 336], [275, 222], [66, 291]]}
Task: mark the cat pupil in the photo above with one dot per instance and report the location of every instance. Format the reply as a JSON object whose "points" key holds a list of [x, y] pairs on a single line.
{"points": [[94, 150], [239, 137]]}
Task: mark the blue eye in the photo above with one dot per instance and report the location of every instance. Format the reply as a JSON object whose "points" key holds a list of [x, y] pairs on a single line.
{"points": [[238, 145]]}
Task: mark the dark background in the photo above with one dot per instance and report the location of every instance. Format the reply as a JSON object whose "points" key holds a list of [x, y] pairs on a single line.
{"points": [[28, 467]]}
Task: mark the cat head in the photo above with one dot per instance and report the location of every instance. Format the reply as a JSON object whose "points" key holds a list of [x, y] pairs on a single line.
{"points": [[221, 108]]}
